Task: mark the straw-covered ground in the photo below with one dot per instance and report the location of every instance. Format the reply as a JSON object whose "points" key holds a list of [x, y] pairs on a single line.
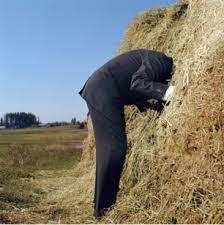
{"points": [[174, 168]]}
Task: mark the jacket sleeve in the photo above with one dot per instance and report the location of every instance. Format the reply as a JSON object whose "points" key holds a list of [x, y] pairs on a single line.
{"points": [[142, 83], [143, 106]]}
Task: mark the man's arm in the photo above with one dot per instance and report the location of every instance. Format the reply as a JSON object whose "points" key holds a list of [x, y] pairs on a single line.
{"points": [[159, 105], [142, 83], [143, 106]]}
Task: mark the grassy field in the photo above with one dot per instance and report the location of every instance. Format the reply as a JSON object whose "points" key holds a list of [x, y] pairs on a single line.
{"points": [[26, 152]]}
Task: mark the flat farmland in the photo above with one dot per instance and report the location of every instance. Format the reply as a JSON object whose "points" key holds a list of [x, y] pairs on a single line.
{"points": [[26, 153]]}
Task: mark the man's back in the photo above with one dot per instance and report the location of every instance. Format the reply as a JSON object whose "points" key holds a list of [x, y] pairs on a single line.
{"points": [[120, 70]]}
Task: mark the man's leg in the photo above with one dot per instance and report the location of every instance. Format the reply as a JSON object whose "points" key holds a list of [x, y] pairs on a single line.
{"points": [[111, 145]]}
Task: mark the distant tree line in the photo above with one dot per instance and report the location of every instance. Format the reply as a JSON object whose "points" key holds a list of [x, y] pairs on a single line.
{"points": [[79, 124], [57, 124], [1, 122], [19, 120], [23, 120]]}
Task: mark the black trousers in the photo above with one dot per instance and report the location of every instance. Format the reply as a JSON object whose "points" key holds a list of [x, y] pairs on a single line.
{"points": [[111, 145]]}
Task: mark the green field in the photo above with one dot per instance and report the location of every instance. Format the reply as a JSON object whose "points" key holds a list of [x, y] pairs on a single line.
{"points": [[24, 153]]}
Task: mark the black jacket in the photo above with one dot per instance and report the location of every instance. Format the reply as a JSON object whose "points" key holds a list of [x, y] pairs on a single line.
{"points": [[134, 77]]}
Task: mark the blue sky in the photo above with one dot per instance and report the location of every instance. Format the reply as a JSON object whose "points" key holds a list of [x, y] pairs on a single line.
{"points": [[49, 48]]}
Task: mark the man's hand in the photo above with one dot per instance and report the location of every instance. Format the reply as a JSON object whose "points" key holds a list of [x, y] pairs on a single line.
{"points": [[157, 106], [169, 93]]}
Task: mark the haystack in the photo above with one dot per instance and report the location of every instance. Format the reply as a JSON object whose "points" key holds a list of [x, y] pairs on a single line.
{"points": [[174, 168]]}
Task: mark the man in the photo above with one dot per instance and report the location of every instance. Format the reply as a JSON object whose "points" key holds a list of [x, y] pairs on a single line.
{"points": [[130, 78]]}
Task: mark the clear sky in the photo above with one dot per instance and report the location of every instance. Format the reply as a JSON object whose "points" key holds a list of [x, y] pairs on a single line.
{"points": [[48, 49]]}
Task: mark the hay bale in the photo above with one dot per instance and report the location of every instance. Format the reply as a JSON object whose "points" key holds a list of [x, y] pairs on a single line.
{"points": [[173, 171]]}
